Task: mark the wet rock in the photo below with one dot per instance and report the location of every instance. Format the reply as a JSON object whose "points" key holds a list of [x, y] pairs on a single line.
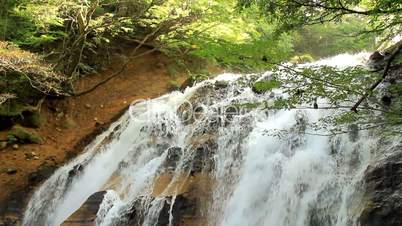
{"points": [[173, 156], [134, 212], [203, 159], [44, 171], [182, 207], [75, 171], [221, 84], [376, 60], [193, 108], [70, 154], [383, 184], [376, 56], [12, 208], [86, 214], [188, 83]]}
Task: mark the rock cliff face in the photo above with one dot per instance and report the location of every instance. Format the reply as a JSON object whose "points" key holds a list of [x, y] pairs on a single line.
{"points": [[383, 179], [186, 208], [86, 215], [383, 184]]}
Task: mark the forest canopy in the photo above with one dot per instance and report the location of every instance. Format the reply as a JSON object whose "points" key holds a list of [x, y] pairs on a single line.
{"points": [[382, 16], [216, 30]]}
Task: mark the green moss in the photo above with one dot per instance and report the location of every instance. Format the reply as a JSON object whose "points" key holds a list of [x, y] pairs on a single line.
{"points": [[33, 119], [221, 84], [264, 86], [247, 105], [11, 109], [22, 135]]}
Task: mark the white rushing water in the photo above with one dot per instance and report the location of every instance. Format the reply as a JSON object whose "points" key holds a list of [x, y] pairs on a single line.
{"points": [[260, 180]]}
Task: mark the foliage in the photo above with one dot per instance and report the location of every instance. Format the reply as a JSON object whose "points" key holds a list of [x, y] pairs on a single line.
{"points": [[384, 15], [24, 80], [22, 71], [318, 25], [323, 40], [31, 23], [340, 88], [84, 31], [235, 40], [74, 30]]}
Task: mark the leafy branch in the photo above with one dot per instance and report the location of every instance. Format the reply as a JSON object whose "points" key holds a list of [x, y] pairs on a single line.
{"points": [[387, 67]]}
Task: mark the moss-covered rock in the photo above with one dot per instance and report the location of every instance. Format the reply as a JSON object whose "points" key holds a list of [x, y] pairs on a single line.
{"points": [[221, 84], [33, 119], [11, 109], [13, 112], [264, 86], [23, 135]]}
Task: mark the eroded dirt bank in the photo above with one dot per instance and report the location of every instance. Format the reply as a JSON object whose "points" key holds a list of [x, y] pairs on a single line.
{"points": [[71, 123]]}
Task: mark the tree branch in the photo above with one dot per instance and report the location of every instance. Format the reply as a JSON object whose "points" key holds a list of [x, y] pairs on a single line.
{"points": [[122, 69], [125, 64], [378, 82]]}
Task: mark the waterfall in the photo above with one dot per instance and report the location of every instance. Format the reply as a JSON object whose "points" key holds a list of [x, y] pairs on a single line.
{"points": [[147, 158]]}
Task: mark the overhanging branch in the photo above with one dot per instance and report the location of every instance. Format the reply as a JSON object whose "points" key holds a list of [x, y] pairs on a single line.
{"points": [[387, 67]]}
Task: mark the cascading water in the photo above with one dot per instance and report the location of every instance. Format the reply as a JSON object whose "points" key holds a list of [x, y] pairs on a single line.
{"points": [[255, 178]]}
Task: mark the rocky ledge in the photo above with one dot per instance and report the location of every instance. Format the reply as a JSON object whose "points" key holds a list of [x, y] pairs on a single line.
{"points": [[383, 184]]}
